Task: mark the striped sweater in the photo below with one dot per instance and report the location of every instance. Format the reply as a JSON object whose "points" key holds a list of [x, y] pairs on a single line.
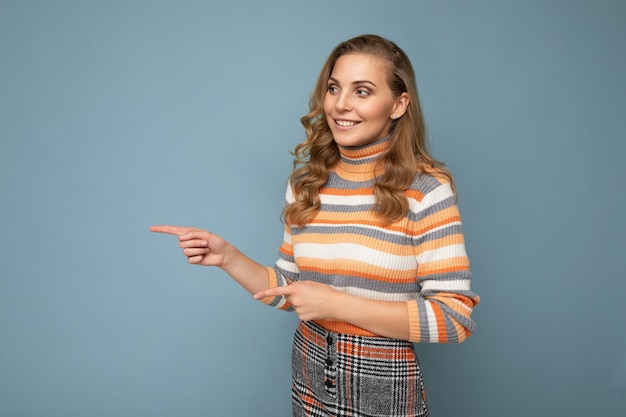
{"points": [[420, 259]]}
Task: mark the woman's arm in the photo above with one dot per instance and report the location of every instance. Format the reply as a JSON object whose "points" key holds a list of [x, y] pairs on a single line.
{"points": [[315, 301], [443, 317], [204, 248]]}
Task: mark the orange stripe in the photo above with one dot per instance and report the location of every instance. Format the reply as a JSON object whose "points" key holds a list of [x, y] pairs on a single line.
{"points": [[343, 327], [374, 243], [348, 192], [358, 239], [445, 266], [448, 240], [441, 324], [438, 219], [373, 273], [414, 194], [287, 250], [368, 191], [435, 220], [444, 297]]}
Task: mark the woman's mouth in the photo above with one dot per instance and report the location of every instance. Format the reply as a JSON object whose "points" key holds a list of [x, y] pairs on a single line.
{"points": [[346, 123]]}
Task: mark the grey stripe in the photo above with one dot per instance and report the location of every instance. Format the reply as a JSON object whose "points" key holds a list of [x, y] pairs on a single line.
{"points": [[342, 281], [377, 234], [421, 310], [455, 229], [335, 181], [441, 205], [463, 275]]}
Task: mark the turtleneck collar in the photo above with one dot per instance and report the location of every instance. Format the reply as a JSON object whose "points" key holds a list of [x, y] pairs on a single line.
{"points": [[362, 159]]}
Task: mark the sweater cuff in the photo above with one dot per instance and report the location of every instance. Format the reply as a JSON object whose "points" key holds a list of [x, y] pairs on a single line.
{"points": [[272, 281], [414, 321], [272, 277]]}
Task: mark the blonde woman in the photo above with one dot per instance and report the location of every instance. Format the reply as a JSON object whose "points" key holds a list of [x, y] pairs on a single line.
{"points": [[373, 256]]}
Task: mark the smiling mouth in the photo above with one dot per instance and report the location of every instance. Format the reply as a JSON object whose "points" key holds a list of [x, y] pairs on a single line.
{"points": [[346, 123]]}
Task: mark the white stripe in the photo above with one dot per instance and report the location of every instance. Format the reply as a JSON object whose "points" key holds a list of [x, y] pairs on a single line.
{"points": [[463, 307], [287, 237], [287, 266], [355, 252], [376, 295], [430, 199], [435, 285], [289, 195], [446, 252], [343, 200], [436, 229], [281, 303], [347, 200], [432, 323]]}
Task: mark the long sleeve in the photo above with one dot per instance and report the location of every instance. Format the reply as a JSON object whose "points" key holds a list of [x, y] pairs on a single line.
{"points": [[442, 311], [285, 270]]}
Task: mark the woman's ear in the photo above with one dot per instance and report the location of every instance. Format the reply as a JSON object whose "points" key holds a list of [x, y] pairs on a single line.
{"points": [[400, 106]]}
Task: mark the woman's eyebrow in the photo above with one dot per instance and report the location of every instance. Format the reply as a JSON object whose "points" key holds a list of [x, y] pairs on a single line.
{"points": [[334, 80]]}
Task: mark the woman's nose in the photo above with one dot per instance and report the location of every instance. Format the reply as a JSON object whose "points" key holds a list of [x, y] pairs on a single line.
{"points": [[343, 102]]}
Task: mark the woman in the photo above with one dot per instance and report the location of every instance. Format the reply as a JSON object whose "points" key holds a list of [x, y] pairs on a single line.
{"points": [[373, 256]]}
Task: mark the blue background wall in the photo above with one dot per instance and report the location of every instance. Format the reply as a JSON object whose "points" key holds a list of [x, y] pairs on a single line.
{"points": [[115, 115]]}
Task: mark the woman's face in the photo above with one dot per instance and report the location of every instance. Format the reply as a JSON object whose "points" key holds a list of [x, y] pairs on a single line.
{"points": [[359, 104]]}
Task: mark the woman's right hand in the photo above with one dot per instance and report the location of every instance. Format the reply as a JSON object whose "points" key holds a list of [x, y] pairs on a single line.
{"points": [[199, 246]]}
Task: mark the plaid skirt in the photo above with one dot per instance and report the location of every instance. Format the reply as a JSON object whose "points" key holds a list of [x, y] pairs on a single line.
{"points": [[345, 375]]}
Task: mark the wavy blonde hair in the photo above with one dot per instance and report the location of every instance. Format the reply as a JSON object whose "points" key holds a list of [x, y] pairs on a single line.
{"points": [[407, 153]]}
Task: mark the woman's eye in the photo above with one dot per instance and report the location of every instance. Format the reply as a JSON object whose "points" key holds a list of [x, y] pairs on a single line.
{"points": [[332, 89], [362, 92]]}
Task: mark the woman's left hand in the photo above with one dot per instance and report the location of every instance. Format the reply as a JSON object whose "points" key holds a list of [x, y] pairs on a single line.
{"points": [[311, 300]]}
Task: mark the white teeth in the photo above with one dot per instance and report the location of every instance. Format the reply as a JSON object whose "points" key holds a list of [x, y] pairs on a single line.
{"points": [[345, 123]]}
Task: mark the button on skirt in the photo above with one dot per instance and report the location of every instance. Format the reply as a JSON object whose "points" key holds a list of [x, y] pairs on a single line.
{"points": [[345, 375]]}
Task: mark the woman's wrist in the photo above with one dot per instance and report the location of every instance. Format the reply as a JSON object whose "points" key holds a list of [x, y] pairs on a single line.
{"points": [[343, 306]]}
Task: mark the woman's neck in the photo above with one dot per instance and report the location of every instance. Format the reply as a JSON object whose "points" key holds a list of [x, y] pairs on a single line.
{"points": [[362, 159]]}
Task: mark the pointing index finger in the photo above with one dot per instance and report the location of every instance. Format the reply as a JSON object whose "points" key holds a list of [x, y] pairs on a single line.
{"points": [[170, 230], [273, 292]]}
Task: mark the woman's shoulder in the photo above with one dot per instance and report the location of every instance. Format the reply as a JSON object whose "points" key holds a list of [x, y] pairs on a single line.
{"points": [[430, 184], [428, 180]]}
